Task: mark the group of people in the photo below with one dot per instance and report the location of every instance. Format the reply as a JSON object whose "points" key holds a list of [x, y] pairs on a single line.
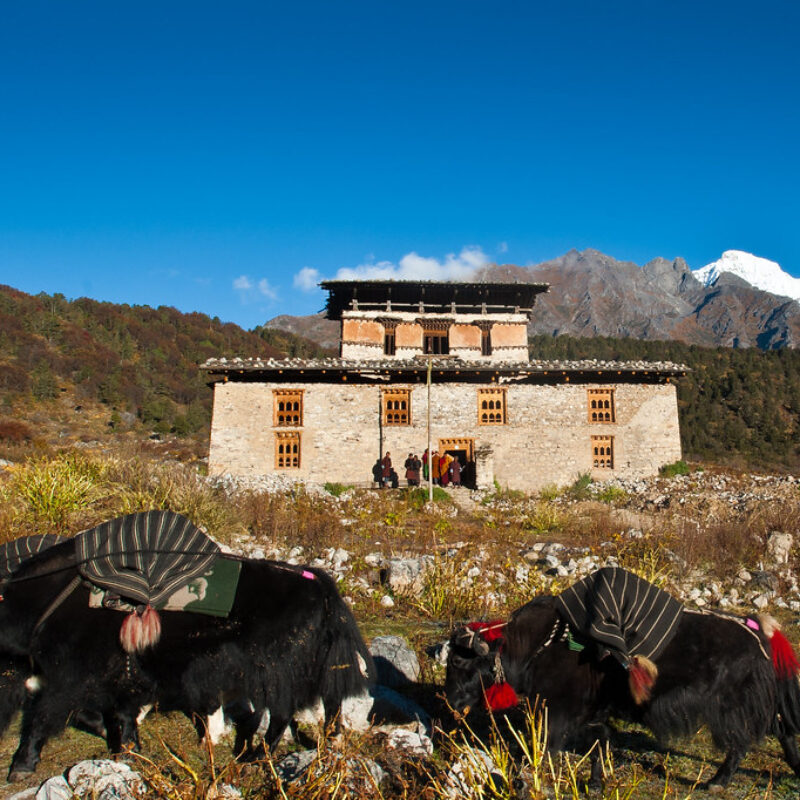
{"points": [[445, 470]]}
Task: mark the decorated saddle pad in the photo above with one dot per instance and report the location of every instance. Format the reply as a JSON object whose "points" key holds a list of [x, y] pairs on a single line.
{"points": [[211, 593], [146, 557], [622, 611], [13, 553]]}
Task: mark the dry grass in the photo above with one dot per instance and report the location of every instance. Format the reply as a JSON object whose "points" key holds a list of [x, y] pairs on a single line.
{"points": [[478, 571]]}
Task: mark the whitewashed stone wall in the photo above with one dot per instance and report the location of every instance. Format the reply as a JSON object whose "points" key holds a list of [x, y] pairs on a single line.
{"points": [[546, 441]]}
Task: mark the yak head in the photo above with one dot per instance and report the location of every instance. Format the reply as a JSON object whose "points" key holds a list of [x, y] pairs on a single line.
{"points": [[472, 664]]}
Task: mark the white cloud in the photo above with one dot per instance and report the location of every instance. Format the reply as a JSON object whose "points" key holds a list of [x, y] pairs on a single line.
{"points": [[307, 279], [502, 247], [266, 290], [413, 266], [252, 292]]}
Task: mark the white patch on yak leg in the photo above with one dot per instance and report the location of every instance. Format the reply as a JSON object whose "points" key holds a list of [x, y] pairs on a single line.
{"points": [[33, 684], [264, 724], [143, 712], [215, 726]]}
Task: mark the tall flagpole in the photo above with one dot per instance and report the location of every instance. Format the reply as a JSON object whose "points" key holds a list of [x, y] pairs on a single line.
{"points": [[430, 452]]}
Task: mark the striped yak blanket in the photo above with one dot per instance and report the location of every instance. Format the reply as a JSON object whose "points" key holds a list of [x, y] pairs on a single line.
{"points": [[13, 553], [145, 557], [622, 611]]}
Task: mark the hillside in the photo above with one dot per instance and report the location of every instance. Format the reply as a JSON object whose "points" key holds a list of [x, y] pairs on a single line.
{"points": [[84, 369], [121, 365]]}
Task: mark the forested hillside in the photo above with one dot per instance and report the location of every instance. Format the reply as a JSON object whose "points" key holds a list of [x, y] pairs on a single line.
{"points": [[140, 364], [135, 360], [737, 406]]}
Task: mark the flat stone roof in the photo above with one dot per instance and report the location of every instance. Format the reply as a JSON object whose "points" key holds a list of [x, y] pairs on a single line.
{"points": [[430, 296], [447, 367]]}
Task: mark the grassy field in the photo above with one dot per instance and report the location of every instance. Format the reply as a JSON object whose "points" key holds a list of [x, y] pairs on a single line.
{"points": [[69, 491]]}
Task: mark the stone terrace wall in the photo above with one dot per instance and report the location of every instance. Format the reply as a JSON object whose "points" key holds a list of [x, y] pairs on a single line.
{"points": [[546, 440]]}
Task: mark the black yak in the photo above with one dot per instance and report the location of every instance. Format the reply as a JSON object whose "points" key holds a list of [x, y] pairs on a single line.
{"points": [[737, 676], [288, 641]]}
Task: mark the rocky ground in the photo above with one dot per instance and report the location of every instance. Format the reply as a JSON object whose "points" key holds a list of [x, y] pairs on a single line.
{"points": [[715, 539]]}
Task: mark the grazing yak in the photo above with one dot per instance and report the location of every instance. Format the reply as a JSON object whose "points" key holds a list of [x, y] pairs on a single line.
{"points": [[287, 641], [737, 676]]}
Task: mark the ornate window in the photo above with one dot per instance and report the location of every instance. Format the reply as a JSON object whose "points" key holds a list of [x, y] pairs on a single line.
{"points": [[396, 406], [287, 450], [601, 405], [603, 452], [287, 408], [492, 407]]}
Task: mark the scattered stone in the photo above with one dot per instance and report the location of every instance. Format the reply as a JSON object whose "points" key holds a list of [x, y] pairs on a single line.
{"points": [[292, 767], [356, 712], [396, 663], [761, 601], [407, 575], [413, 743], [779, 547], [471, 773], [387, 601]]}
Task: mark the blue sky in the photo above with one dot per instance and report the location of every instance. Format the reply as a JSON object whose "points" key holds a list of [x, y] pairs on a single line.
{"points": [[221, 157]]}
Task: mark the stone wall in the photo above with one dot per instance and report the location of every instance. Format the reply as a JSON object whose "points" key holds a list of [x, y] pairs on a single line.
{"points": [[546, 441]]}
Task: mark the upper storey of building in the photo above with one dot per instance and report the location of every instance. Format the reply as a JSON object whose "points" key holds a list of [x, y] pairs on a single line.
{"points": [[403, 319]]}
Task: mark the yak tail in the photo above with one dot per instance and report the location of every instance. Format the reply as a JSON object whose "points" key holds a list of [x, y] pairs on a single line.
{"points": [[786, 667], [349, 668], [140, 630]]}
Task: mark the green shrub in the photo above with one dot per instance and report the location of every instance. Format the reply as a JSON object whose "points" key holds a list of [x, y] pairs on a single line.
{"points": [[615, 495], [579, 490], [336, 489], [676, 468]]}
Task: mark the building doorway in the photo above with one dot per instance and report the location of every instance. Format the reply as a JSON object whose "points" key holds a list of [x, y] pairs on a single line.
{"points": [[464, 450]]}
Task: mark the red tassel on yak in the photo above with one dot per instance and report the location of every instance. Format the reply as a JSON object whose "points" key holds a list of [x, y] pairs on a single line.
{"points": [[784, 660], [500, 696], [642, 674], [489, 631], [140, 630]]}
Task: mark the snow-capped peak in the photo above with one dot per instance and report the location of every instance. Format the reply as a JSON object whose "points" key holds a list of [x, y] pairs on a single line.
{"points": [[759, 272]]}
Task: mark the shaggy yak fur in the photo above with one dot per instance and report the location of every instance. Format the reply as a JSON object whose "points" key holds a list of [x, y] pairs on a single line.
{"points": [[288, 642], [712, 672]]}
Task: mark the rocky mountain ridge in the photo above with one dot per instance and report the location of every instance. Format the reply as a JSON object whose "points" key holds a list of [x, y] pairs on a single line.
{"points": [[592, 294]]}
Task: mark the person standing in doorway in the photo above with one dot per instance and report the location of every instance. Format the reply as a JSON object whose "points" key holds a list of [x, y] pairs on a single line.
{"points": [[425, 465], [455, 472], [386, 467]]}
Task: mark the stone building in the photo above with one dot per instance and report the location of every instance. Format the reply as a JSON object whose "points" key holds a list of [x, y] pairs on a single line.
{"points": [[450, 361]]}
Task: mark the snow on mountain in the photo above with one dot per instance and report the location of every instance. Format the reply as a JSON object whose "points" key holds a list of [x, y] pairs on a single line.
{"points": [[759, 272]]}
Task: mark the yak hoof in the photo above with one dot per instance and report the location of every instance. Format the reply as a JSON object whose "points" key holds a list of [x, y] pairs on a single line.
{"points": [[17, 775]]}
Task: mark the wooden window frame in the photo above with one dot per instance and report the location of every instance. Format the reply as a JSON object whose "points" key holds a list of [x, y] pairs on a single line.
{"points": [[290, 460], [486, 342], [281, 418], [602, 450], [500, 413], [601, 406], [394, 416], [441, 336]]}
